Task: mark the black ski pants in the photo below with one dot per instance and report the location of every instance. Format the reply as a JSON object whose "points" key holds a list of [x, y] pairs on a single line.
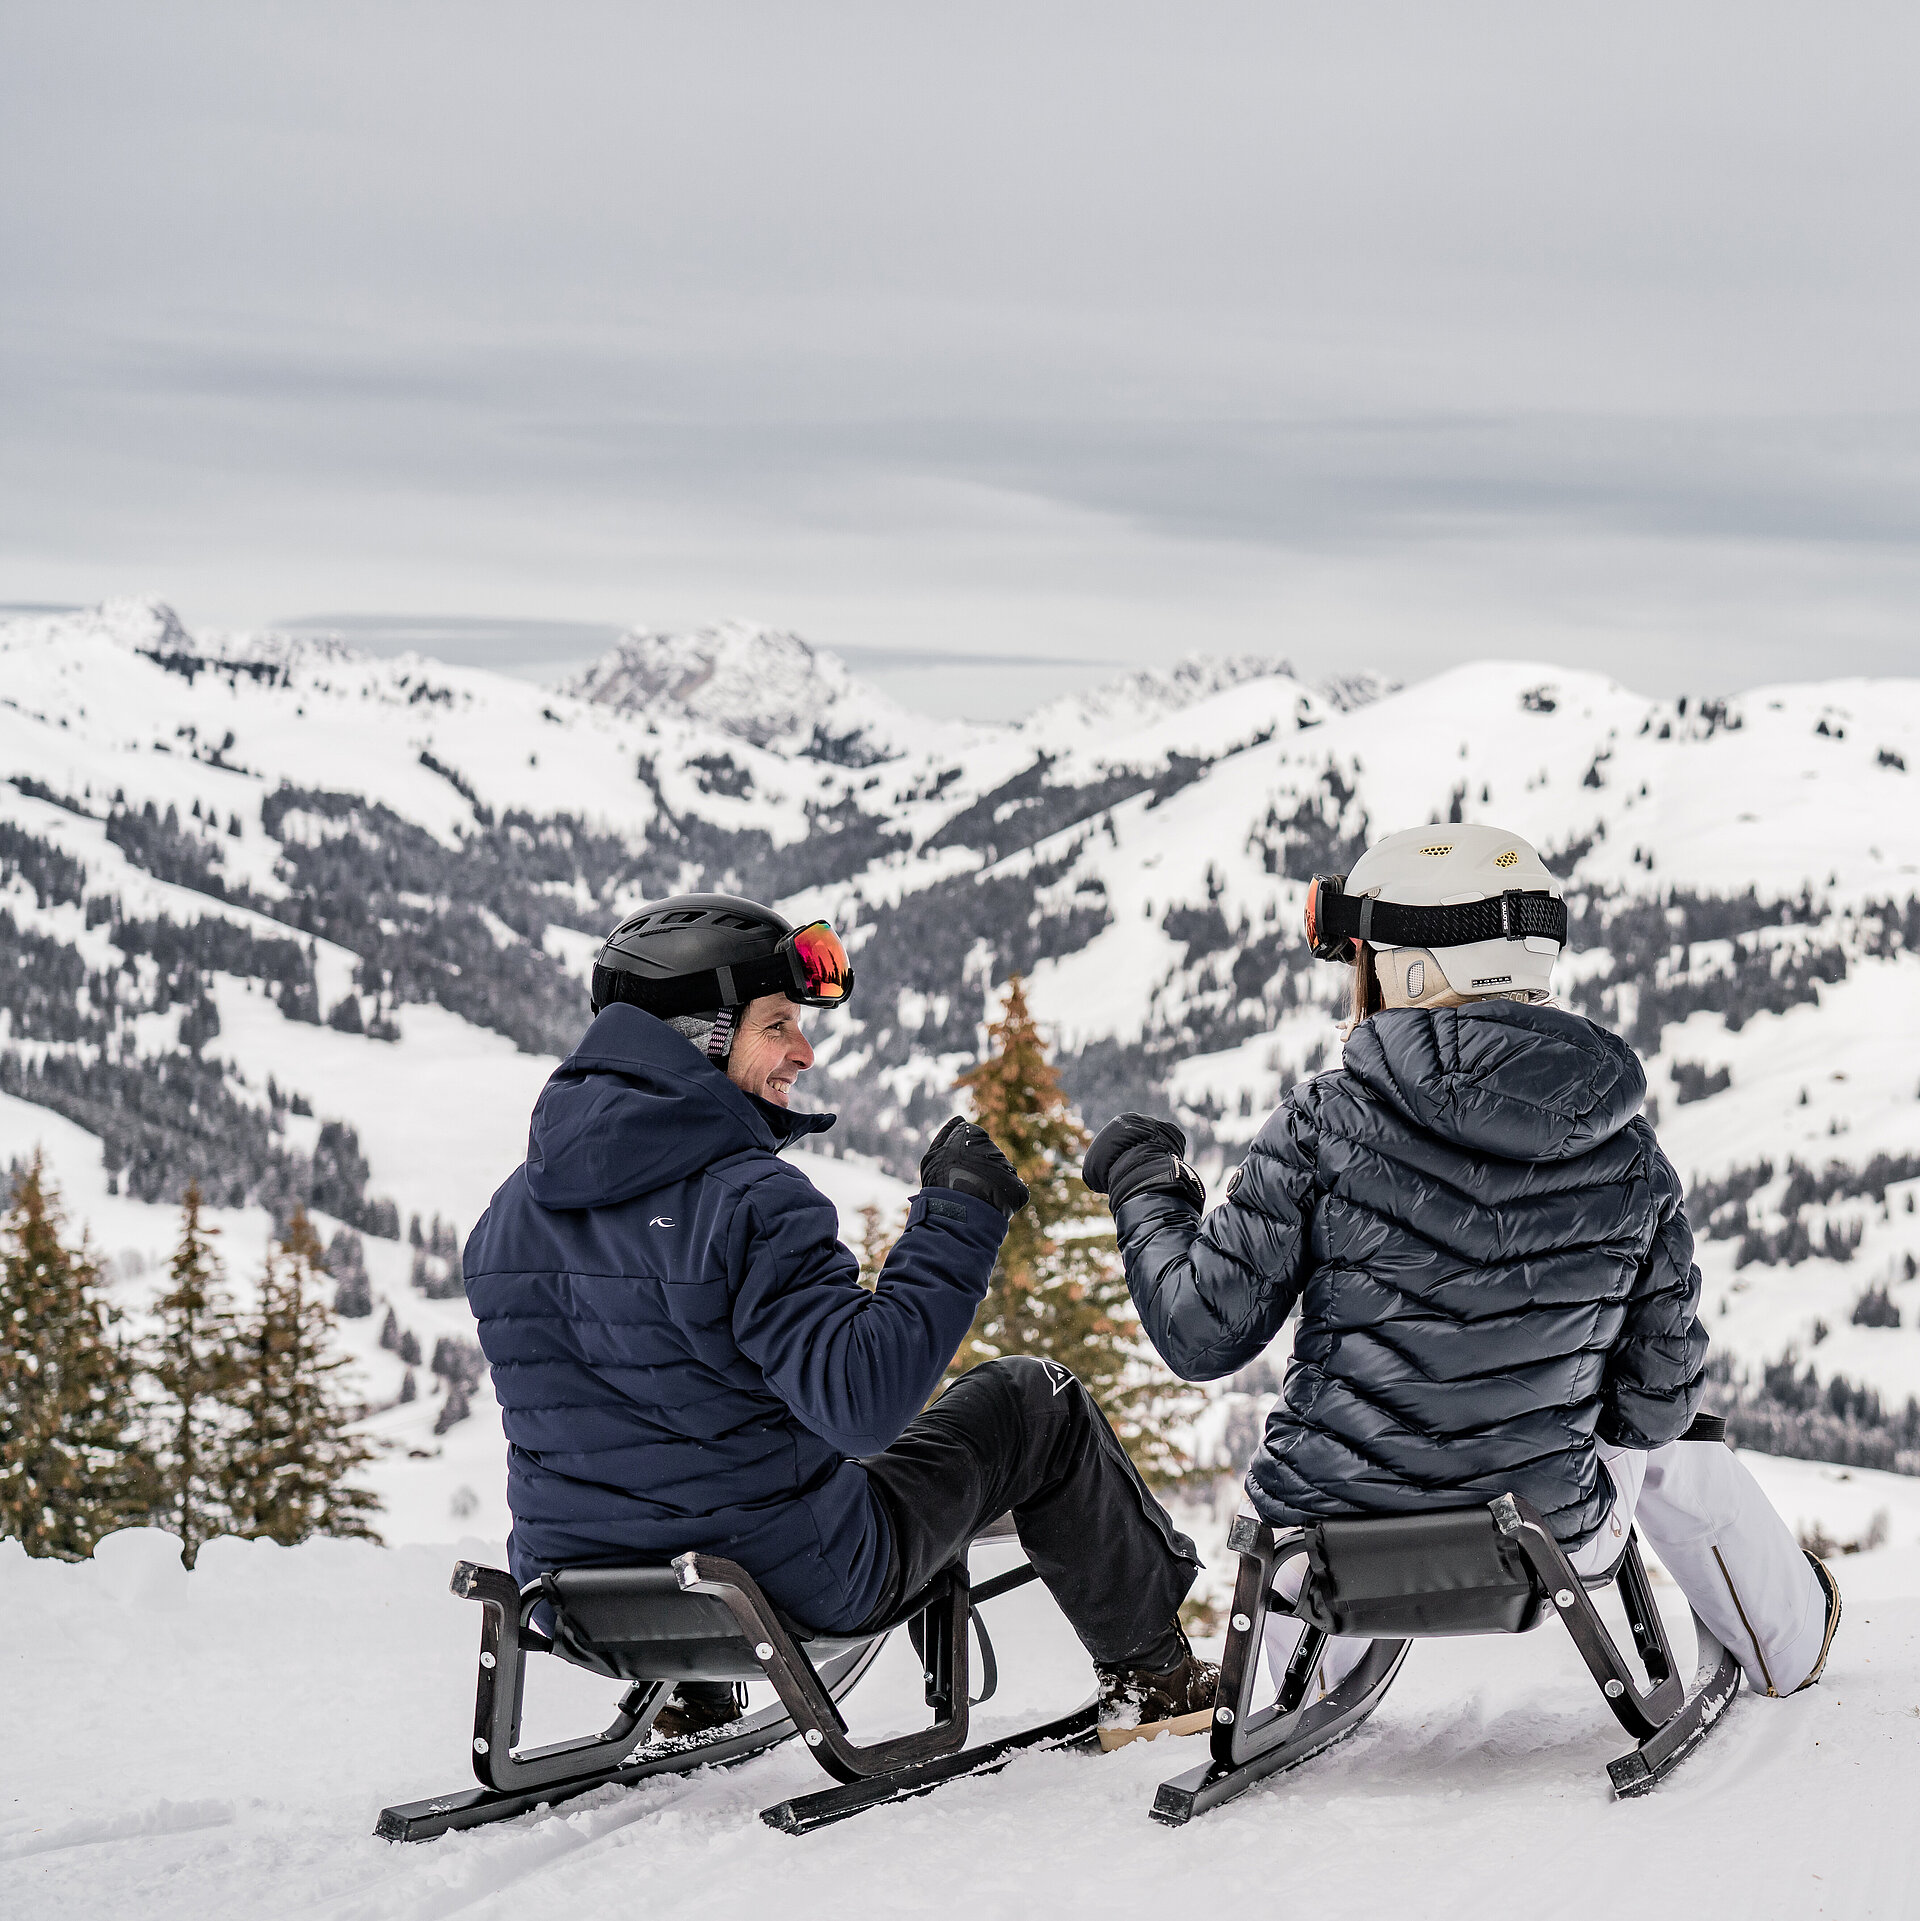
{"points": [[1023, 1435]]}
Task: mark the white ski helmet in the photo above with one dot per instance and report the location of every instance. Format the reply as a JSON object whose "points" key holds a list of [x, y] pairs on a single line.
{"points": [[1479, 899]]}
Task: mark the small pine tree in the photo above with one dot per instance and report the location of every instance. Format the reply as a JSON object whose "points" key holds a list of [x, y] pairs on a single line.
{"points": [[72, 1465], [297, 1452], [193, 1358], [455, 1408], [455, 1359], [877, 1236], [436, 1263], [347, 1263], [1058, 1289]]}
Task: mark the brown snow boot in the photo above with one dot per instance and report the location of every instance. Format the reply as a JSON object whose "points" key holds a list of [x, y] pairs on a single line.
{"points": [[1136, 1705], [698, 1707]]}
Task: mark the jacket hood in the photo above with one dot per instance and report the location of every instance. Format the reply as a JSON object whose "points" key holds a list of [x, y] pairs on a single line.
{"points": [[1526, 1083], [636, 1107]]}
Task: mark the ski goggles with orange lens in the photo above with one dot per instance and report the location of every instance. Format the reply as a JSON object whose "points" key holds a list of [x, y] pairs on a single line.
{"points": [[822, 974], [1324, 893]]}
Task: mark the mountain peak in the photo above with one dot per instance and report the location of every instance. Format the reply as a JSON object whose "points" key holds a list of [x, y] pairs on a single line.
{"points": [[1346, 692], [1152, 693], [766, 687], [136, 621]]}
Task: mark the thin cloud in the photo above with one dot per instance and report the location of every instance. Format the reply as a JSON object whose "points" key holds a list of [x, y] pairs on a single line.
{"points": [[1038, 338]]}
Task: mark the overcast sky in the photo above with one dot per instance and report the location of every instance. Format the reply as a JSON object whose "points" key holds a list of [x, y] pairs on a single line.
{"points": [[1372, 336]]}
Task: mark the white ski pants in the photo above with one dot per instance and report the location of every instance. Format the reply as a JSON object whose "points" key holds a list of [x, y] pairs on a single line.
{"points": [[1713, 1530]]}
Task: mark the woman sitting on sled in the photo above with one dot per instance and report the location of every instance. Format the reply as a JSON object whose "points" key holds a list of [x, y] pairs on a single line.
{"points": [[1490, 1255]]}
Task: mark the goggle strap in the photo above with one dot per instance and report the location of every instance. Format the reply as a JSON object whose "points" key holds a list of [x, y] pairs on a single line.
{"points": [[733, 986], [1510, 916]]}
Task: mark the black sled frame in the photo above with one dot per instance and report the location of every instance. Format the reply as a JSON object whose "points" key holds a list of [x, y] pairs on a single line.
{"points": [[1484, 1570], [705, 1619]]}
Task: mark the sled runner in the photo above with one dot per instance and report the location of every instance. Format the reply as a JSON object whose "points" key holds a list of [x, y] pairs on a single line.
{"points": [[1481, 1570], [705, 1619]]}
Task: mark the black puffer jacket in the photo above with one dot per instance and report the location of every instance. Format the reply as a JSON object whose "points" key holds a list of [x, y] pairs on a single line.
{"points": [[1491, 1259]]}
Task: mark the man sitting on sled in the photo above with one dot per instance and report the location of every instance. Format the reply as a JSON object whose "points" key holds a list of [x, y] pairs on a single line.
{"points": [[685, 1359]]}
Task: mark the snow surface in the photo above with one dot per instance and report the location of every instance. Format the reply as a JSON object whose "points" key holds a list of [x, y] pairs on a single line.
{"points": [[220, 1743]]}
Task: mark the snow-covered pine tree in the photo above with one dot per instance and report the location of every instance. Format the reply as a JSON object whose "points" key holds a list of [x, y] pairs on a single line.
{"points": [[436, 1263], [455, 1408], [193, 1358], [347, 1263], [1058, 1288], [72, 1466], [297, 1453]]}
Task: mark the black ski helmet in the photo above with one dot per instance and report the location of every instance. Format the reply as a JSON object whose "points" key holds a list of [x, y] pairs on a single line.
{"points": [[702, 953]]}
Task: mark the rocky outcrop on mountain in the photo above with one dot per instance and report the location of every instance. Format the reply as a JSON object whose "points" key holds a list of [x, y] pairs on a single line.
{"points": [[1134, 699], [774, 690]]}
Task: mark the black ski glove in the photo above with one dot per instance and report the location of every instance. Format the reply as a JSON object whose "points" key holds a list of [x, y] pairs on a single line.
{"points": [[964, 1158], [1134, 1154]]}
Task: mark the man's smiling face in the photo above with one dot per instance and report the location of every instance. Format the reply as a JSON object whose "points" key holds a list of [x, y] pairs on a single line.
{"points": [[769, 1051]]}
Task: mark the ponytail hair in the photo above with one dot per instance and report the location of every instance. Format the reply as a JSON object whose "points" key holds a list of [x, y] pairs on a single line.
{"points": [[1367, 998]]}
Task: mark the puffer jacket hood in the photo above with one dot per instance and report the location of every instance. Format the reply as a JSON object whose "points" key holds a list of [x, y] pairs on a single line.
{"points": [[1490, 1257], [1526, 1083], [635, 1108]]}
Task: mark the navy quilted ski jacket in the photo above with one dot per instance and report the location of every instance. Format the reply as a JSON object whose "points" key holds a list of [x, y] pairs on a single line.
{"points": [[683, 1355], [1491, 1260]]}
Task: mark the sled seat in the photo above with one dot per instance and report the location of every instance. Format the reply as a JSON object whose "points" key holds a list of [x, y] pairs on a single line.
{"points": [[654, 1624], [1412, 1575], [1394, 1579], [641, 1624]]}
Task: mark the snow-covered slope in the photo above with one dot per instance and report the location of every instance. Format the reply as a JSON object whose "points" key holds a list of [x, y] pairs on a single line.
{"points": [[332, 889], [195, 1747], [1123, 706], [1144, 696]]}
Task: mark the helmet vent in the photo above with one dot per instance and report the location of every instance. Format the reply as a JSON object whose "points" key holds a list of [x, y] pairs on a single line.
{"points": [[1508, 859], [1439, 847]]}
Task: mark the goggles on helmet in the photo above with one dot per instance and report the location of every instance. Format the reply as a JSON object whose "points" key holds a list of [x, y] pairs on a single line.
{"points": [[809, 966], [1335, 919], [1322, 891], [817, 964]]}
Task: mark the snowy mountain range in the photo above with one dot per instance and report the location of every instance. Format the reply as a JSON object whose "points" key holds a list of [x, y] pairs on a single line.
{"points": [[303, 923]]}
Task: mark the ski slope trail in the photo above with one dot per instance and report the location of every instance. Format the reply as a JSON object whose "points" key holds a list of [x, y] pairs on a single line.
{"points": [[220, 1744]]}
